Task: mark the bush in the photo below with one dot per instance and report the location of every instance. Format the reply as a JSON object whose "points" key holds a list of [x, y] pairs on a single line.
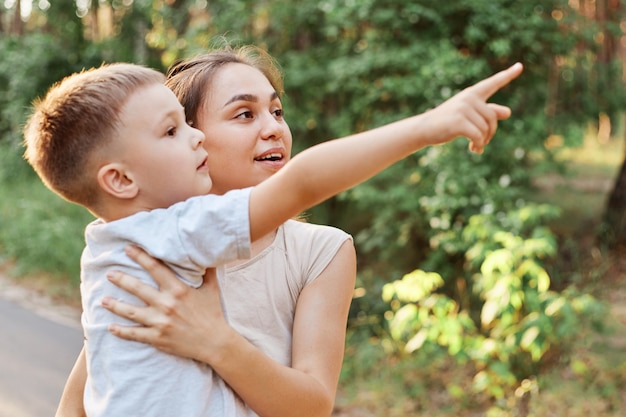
{"points": [[40, 231], [512, 324]]}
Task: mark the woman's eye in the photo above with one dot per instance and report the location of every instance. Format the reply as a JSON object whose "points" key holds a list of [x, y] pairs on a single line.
{"points": [[244, 115], [279, 113]]}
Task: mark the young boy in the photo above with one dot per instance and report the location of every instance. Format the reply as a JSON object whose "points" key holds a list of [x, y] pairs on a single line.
{"points": [[115, 140]]}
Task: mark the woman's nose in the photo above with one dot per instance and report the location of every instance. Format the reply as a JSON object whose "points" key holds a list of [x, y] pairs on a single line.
{"points": [[272, 129]]}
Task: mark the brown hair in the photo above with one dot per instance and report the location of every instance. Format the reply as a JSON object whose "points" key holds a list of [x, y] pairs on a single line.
{"points": [[189, 79], [77, 116]]}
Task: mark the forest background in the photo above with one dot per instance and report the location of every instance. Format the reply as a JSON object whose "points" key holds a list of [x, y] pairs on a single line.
{"points": [[484, 280]]}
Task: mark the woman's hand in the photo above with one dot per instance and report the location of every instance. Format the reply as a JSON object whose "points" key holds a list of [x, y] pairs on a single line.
{"points": [[189, 322], [177, 319]]}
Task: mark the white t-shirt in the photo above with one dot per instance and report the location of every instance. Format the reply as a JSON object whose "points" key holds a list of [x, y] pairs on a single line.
{"points": [[135, 379]]}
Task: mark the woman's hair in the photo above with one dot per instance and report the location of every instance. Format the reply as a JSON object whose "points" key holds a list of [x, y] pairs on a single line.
{"points": [[78, 116], [189, 79]]}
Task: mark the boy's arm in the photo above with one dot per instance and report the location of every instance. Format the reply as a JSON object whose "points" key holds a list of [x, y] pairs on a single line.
{"points": [[71, 404], [327, 169]]}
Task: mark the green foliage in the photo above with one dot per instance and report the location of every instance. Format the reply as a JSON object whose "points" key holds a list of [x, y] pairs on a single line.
{"points": [[42, 232], [22, 80], [19, 87], [514, 320]]}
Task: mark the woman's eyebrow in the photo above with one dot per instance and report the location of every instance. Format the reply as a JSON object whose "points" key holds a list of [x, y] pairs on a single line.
{"points": [[242, 97], [249, 97]]}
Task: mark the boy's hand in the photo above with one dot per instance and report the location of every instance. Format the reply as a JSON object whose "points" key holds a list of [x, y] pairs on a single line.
{"points": [[468, 114]]}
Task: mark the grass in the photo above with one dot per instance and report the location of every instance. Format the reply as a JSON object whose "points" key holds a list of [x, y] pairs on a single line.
{"points": [[582, 191]]}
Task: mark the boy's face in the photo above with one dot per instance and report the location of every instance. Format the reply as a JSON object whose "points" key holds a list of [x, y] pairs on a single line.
{"points": [[247, 137], [162, 153]]}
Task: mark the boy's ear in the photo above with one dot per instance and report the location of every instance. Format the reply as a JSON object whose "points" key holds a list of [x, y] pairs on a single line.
{"points": [[116, 181]]}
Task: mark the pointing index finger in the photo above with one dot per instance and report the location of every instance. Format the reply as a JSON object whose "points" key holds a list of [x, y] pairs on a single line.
{"points": [[489, 86]]}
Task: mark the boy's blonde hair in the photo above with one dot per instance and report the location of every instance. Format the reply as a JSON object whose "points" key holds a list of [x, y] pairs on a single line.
{"points": [[77, 117]]}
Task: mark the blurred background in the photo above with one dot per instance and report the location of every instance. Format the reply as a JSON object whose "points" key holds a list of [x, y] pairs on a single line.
{"points": [[488, 284]]}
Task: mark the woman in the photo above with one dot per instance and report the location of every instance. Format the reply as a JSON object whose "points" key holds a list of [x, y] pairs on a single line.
{"points": [[287, 306]]}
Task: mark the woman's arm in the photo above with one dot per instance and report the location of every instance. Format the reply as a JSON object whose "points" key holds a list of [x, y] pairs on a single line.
{"points": [[320, 323], [71, 404], [308, 388], [328, 168], [190, 323]]}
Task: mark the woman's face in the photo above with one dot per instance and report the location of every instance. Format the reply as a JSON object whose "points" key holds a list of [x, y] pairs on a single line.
{"points": [[247, 138]]}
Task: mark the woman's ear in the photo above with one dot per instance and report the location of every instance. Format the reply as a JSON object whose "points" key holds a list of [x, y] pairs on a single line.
{"points": [[116, 181]]}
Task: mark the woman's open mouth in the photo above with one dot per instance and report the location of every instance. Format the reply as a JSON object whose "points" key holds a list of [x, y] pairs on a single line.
{"points": [[272, 157]]}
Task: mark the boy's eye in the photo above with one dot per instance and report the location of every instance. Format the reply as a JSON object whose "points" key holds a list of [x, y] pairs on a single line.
{"points": [[171, 131], [279, 113]]}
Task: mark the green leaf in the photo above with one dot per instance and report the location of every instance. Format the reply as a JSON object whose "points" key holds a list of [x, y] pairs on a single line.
{"points": [[529, 337]]}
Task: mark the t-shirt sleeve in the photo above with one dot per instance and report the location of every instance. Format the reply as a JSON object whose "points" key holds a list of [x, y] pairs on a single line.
{"points": [[214, 230], [193, 235], [316, 246]]}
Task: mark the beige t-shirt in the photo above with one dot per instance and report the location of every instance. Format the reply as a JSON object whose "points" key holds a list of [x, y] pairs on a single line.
{"points": [[260, 295]]}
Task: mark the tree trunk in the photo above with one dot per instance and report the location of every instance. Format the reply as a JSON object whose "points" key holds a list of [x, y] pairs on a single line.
{"points": [[95, 21], [613, 231], [16, 25]]}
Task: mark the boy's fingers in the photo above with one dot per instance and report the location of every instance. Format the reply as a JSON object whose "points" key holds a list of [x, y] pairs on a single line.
{"points": [[489, 86]]}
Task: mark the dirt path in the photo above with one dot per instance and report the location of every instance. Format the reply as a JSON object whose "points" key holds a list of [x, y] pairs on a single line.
{"points": [[41, 339], [37, 301]]}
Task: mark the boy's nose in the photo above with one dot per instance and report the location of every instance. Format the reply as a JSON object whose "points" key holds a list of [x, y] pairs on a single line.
{"points": [[197, 138]]}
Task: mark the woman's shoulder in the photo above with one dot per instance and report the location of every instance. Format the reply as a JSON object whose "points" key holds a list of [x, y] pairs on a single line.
{"points": [[302, 229], [312, 237], [311, 247]]}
